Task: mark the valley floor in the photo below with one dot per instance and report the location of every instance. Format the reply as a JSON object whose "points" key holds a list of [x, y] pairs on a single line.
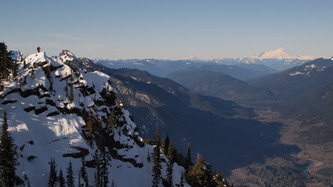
{"points": [[311, 166]]}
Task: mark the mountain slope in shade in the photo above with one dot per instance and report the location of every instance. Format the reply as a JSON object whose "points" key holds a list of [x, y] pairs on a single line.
{"points": [[213, 127], [220, 85], [305, 92], [46, 122], [300, 80]]}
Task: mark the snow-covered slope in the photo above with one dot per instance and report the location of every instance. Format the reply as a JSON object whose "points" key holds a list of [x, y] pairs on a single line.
{"points": [[48, 108], [280, 54], [313, 67]]}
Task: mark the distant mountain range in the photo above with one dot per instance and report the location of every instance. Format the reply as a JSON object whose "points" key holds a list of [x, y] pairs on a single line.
{"points": [[240, 68], [162, 68]]}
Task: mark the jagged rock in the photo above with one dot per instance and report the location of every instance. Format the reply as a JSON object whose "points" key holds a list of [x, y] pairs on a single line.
{"points": [[8, 102], [82, 153], [14, 90], [31, 158], [40, 110], [53, 113], [28, 109], [50, 102]]}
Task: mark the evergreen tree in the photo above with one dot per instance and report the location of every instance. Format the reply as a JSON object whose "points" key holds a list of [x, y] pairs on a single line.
{"points": [[98, 178], [2, 179], [188, 160], [112, 122], [166, 145], [91, 123], [53, 174], [101, 165], [61, 179], [200, 173], [104, 168], [170, 164], [70, 175], [8, 159], [219, 180], [15, 69], [157, 160], [83, 172], [5, 61]]}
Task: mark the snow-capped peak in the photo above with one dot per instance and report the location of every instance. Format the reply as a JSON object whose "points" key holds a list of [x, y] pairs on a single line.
{"points": [[50, 107], [66, 55], [42, 59], [281, 53]]}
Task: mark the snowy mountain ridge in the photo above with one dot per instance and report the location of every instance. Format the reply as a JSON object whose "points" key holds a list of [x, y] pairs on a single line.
{"points": [[311, 68], [50, 106], [280, 54], [240, 68]]}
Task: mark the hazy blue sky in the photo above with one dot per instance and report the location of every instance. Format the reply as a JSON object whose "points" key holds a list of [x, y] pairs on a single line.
{"points": [[168, 29]]}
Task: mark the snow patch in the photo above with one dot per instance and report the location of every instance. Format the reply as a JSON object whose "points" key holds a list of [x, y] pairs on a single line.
{"points": [[296, 73], [312, 66], [21, 127], [138, 63]]}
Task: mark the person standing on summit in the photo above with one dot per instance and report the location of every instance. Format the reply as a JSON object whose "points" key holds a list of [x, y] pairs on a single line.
{"points": [[38, 49]]}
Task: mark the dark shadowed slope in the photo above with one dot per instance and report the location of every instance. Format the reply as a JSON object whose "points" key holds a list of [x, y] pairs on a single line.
{"points": [[220, 85]]}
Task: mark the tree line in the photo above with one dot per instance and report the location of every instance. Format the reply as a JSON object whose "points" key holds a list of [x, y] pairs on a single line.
{"points": [[101, 163], [198, 173], [8, 66], [8, 157]]}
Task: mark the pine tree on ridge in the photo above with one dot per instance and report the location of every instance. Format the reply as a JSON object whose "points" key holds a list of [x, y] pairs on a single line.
{"points": [[8, 159]]}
